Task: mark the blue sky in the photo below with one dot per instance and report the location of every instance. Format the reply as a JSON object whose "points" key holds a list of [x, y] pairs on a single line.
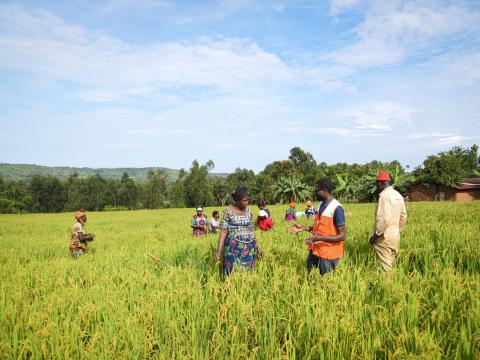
{"points": [[160, 83]]}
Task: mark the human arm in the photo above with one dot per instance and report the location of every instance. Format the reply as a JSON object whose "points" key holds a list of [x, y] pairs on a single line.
{"points": [[85, 237], [296, 228], [334, 238], [221, 244], [384, 211], [403, 217], [261, 253]]}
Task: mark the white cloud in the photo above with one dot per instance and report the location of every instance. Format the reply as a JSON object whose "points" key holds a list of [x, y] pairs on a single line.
{"points": [[455, 70], [451, 140], [43, 44], [157, 131], [339, 6], [382, 116], [394, 30], [440, 139]]}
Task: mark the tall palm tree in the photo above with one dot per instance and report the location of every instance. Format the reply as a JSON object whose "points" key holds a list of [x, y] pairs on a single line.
{"points": [[292, 189]]}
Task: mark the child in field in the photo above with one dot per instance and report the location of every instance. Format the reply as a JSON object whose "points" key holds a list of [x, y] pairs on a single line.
{"points": [[291, 214], [310, 211], [263, 206], [214, 224], [264, 222]]}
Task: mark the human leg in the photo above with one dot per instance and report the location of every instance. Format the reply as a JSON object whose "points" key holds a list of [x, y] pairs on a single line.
{"points": [[327, 265]]}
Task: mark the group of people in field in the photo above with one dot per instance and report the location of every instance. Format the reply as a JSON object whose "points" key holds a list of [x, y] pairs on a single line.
{"points": [[239, 247]]}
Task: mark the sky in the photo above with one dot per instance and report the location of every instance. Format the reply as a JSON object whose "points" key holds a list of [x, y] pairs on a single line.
{"points": [[142, 83]]}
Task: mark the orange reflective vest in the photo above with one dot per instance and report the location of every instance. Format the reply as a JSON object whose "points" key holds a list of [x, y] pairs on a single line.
{"points": [[324, 226]]}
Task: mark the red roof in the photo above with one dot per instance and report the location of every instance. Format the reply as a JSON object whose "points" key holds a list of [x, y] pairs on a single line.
{"points": [[468, 184]]}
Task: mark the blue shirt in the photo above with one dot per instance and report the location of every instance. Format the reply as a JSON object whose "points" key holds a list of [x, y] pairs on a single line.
{"points": [[338, 215]]}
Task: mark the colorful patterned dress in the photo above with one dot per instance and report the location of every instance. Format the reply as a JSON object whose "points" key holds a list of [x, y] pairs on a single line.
{"points": [[77, 248], [202, 221], [290, 214], [240, 251]]}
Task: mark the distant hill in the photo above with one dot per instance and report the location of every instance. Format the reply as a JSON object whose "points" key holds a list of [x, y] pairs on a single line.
{"points": [[26, 171]]}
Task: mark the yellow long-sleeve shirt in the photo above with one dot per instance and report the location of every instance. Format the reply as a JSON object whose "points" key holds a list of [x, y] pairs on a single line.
{"points": [[390, 215]]}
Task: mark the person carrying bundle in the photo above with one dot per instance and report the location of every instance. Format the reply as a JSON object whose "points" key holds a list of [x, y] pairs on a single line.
{"points": [[80, 239]]}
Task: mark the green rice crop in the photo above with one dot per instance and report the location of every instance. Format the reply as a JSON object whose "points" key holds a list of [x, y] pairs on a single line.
{"points": [[115, 302]]}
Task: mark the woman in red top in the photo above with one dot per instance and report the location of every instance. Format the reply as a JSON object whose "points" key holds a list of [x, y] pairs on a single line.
{"points": [[264, 222]]}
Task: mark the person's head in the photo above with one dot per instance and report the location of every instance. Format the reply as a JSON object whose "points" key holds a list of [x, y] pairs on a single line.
{"points": [[81, 216], [323, 189], [261, 204], [292, 205], [262, 214], [199, 211], [215, 214], [383, 180], [241, 198], [309, 203]]}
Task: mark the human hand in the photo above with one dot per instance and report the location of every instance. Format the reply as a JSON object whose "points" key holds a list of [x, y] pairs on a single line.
{"points": [[311, 240], [296, 228], [373, 239], [261, 253], [218, 256]]}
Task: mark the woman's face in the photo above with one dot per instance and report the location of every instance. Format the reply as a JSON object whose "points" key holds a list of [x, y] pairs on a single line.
{"points": [[199, 212], [243, 202]]}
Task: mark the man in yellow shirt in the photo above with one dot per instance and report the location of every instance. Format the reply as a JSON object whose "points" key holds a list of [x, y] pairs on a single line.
{"points": [[390, 219]]}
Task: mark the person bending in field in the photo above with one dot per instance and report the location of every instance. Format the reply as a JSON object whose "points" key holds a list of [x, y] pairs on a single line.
{"points": [[214, 224], [390, 219], [263, 206], [79, 239], [264, 222], [199, 223], [237, 240], [291, 214], [326, 243]]}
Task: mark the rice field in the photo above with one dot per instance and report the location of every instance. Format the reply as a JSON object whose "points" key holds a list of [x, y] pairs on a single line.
{"points": [[116, 303]]}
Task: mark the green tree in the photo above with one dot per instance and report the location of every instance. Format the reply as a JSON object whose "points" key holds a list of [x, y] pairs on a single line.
{"points": [[197, 187], [280, 169], [448, 167], [177, 190], [264, 188], [305, 165], [288, 189], [241, 177], [128, 192], [48, 194], [155, 188], [221, 190]]}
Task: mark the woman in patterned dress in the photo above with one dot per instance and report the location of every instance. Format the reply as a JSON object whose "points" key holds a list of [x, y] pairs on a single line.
{"points": [[291, 213], [199, 223], [237, 240]]}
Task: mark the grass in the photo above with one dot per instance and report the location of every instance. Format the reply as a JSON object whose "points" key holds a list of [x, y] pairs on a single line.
{"points": [[117, 303]]}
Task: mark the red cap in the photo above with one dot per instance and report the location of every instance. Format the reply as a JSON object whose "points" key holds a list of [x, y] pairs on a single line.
{"points": [[383, 176]]}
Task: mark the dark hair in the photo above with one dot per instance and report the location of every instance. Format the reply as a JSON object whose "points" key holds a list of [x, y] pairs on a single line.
{"points": [[324, 184], [214, 213], [239, 193], [261, 203]]}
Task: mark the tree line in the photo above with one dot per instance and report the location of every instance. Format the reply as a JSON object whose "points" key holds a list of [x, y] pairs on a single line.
{"points": [[280, 181]]}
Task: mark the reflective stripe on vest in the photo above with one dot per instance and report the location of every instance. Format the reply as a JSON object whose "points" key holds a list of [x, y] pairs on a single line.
{"points": [[324, 226]]}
